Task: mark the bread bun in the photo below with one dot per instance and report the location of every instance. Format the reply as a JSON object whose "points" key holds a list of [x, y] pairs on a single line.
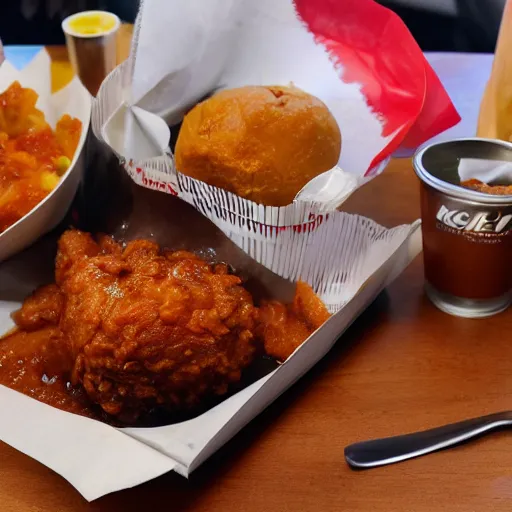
{"points": [[262, 143]]}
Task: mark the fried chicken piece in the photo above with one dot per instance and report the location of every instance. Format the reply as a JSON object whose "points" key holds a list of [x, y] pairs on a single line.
{"points": [[36, 359], [41, 309], [283, 328], [67, 133], [149, 328], [135, 329], [73, 246]]}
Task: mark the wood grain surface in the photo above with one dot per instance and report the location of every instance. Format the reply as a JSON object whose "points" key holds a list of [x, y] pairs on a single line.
{"points": [[401, 367]]}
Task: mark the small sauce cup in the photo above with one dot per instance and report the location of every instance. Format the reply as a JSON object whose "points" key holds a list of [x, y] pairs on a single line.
{"points": [[91, 38], [467, 235]]}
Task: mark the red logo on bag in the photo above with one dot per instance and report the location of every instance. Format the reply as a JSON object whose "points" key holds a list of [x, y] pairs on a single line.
{"points": [[156, 184]]}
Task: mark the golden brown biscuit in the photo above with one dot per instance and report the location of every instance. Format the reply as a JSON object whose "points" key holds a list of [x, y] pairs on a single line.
{"points": [[262, 143]]}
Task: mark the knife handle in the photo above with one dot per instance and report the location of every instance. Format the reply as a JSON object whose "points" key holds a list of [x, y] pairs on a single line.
{"points": [[379, 452]]}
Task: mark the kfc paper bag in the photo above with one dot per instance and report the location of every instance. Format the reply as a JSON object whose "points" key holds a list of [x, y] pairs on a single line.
{"points": [[355, 55], [185, 50]]}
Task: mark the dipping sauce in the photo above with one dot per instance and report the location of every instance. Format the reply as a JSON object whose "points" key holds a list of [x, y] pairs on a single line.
{"points": [[92, 23], [479, 186], [467, 233], [37, 364]]}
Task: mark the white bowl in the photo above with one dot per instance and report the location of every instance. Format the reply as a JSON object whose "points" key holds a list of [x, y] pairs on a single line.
{"points": [[74, 100]]}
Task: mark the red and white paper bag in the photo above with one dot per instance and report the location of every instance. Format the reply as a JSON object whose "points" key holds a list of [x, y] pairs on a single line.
{"points": [[355, 55]]}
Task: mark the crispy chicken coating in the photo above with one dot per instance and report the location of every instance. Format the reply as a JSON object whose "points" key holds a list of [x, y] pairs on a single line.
{"points": [[284, 327], [149, 328]]}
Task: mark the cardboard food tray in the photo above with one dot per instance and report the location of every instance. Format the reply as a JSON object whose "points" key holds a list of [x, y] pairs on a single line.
{"points": [[98, 459]]}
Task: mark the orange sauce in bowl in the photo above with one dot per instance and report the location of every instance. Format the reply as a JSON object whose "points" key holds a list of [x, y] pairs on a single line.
{"points": [[33, 156]]}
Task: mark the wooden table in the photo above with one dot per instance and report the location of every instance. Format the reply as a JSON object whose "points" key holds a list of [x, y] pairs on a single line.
{"points": [[401, 367]]}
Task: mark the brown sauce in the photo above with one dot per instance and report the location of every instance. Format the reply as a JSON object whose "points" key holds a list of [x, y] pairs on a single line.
{"points": [[25, 367], [37, 364], [480, 186]]}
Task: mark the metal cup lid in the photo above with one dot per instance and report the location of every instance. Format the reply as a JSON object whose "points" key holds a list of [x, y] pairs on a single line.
{"points": [[437, 165]]}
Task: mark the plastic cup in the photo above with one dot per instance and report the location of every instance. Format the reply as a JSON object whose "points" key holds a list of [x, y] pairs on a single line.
{"points": [[91, 39]]}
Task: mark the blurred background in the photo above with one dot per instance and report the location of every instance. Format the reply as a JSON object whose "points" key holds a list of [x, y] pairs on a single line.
{"points": [[451, 25], [437, 25]]}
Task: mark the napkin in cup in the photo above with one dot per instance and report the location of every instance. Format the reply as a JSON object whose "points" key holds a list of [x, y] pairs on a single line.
{"points": [[492, 172]]}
